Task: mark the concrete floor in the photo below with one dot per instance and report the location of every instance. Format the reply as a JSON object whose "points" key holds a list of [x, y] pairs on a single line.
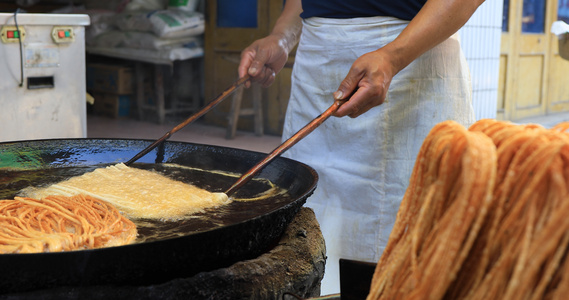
{"points": [[548, 120], [197, 132]]}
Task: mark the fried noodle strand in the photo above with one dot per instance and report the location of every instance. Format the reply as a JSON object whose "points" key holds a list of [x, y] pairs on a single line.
{"points": [[484, 217], [60, 223]]}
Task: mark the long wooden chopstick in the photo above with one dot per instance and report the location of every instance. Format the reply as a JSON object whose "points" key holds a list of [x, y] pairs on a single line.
{"points": [[284, 146], [192, 118]]}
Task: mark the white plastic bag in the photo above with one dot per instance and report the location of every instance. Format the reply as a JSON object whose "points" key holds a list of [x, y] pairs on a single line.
{"points": [[187, 5], [108, 39], [101, 22], [146, 40], [134, 21], [177, 23], [559, 28], [136, 5]]}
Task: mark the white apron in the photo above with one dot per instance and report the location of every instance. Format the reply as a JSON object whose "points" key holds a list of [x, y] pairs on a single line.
{"points": [[364, 164]]}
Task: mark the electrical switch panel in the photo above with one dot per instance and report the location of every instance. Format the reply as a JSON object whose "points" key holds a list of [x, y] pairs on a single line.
{"points": [[62, 34], [11, 34]]}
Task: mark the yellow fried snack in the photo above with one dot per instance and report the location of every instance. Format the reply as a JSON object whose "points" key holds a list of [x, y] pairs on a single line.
{"points": [[137, 193], [58, 223], [481, 222]]}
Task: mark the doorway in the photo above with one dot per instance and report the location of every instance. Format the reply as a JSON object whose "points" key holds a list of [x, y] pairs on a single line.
{"points": [[532, 81]]}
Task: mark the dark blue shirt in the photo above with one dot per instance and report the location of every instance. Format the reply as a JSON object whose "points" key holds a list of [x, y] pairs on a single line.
{"points": [[401, 9]]}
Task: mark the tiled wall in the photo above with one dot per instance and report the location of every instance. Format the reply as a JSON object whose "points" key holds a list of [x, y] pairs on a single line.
{"points": [[480, 39]]}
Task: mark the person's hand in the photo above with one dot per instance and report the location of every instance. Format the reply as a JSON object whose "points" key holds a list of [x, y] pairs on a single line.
{"points": [[367, 83], [262, 60]]}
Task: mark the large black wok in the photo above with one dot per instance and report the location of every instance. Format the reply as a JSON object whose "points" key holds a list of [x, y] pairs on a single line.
{"points": [[211, 240]]}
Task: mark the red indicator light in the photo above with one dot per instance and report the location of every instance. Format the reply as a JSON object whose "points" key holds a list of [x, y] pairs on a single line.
{"points": [[10, 34], [61, 34]]}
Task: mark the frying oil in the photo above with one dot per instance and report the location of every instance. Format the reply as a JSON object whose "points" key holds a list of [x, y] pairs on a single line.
{"points": [[258, 197]]}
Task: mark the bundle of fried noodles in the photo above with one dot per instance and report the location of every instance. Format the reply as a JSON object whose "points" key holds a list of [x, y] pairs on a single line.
{"points": [[485, 216], [59, 223], [137, 193]]}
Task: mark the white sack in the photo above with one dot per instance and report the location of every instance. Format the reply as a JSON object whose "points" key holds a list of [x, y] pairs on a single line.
{"points": [[146, 40], [177, 23]]}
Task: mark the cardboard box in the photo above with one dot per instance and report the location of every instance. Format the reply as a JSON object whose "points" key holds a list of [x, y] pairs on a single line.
{"points": [[564, 46], [112, 105], [110, 79]]}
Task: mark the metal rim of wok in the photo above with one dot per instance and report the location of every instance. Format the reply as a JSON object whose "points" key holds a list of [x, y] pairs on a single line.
{"points": [[248, 234]]}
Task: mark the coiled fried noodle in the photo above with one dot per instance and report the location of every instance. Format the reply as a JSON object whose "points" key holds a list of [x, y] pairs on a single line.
{"points": [[59, 223]]}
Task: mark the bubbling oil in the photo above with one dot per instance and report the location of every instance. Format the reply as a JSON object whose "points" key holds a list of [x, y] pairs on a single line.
{"points": [[260, 196]]}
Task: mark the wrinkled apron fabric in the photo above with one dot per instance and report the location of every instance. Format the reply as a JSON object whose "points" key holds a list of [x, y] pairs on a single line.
{"points": [[364, 164]]}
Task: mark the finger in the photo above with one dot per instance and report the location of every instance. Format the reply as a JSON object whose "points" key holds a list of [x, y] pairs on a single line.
{"points": [[360, 102], [348, 85], [268, 77], [366, 106], [247, 57], [258, 64], [349, 107], [359, 111]]}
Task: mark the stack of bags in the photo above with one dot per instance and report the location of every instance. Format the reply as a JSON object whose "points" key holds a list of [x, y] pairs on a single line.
{"points": [[150, 25]]}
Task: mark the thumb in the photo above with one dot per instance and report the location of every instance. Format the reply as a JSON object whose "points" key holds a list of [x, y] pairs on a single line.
{"points": [[258, 63], [345, 90]]}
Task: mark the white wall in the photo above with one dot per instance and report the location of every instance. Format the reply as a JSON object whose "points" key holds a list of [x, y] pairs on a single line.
{"points": [[480, 39]]}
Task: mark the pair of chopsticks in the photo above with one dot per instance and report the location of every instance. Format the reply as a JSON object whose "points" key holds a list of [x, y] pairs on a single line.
{"points": [[247, 176]]}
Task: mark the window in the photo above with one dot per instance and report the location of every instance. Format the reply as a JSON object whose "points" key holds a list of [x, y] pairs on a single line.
{"points": [[505, 16], [242, 13], [533, 18], [563, 11]]}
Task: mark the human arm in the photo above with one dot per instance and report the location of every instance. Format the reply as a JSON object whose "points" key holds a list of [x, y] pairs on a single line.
{"points": [[265, 57], [371, 73]]}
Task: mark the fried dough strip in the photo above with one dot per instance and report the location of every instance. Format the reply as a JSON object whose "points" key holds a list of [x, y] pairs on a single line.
{"points": [[529, 184], [449, 244], [398, 245], [559, 289], [457, 233], [59, 223], [137, 193], [524, 214], [509, 140], [561, 127], [437, 223]]}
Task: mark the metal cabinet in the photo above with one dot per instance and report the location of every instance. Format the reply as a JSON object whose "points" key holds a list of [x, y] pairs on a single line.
{"points": [[42, 82]]}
